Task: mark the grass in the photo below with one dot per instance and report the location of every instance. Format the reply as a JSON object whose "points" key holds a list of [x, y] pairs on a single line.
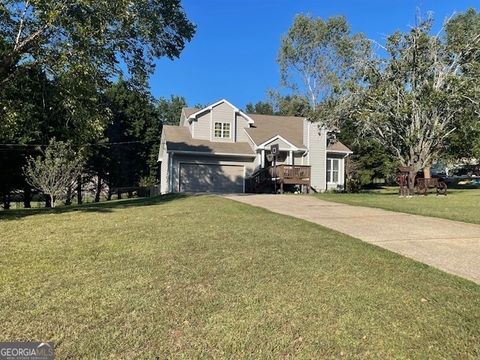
{"points": [[205, 277], [460, 205]]}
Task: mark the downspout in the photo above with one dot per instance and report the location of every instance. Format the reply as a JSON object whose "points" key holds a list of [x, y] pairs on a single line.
{"points": [[170, 173]]}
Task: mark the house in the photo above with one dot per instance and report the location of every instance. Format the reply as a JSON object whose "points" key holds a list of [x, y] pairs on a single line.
{"points": [[222, 149]]}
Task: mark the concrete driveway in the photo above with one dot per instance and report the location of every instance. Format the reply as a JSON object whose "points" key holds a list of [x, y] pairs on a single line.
{"points": [[448, 245]]}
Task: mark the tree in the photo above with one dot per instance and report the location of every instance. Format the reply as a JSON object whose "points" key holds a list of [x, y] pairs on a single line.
{"points": [[90, 37], [132, 136], [369, 160], [170, 110], [55, 171], [464, 143], [260, 107], [413, 98], [318, 57]]}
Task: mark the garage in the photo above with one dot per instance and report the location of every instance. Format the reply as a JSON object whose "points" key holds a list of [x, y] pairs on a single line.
{"points": [[212, 178]]}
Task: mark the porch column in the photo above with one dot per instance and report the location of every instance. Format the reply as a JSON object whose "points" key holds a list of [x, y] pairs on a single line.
{"points": [[262, 162], [291, 157]]}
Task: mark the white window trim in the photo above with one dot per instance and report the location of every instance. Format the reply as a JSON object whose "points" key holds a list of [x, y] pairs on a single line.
{"points": [[338, 171], [222, 130]]}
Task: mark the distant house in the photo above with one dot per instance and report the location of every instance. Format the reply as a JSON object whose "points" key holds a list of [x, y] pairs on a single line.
{"points": [[222, 149]]}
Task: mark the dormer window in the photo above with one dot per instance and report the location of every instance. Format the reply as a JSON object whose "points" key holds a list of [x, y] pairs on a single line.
{"points": [[222, 130]]}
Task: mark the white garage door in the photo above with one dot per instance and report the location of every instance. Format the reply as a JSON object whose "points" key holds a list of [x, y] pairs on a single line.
{"points": [[211, 178]]}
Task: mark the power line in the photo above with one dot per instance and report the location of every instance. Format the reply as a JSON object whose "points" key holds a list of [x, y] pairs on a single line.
{"points": [[86, 144]]}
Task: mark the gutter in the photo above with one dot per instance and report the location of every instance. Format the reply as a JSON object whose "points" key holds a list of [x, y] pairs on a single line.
{"points": [[210, 154]]}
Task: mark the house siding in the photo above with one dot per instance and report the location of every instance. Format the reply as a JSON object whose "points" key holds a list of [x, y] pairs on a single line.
{"points": [[223, 113], [164, 157], [241, 124], [317, 141], [298, 158], [281, 144], [164, 174], [202, 127]]}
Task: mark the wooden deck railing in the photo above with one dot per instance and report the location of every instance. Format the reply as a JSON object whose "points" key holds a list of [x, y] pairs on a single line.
{"points": [[263, 179], [291, 174]]}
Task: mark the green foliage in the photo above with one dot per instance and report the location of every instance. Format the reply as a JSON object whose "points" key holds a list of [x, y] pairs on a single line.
{"points": [[89, 38], [134, 134], [170, 110], [55, 171], [319, 58], [460, 30], [413, 99], [260, 107], [277, 104]]}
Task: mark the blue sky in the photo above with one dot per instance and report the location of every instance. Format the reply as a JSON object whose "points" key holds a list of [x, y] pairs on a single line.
{"points": [[233, 54]]}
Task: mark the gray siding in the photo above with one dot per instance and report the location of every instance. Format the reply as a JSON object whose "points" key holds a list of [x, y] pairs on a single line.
{"points": [[305, 132], [201, 127], [317, 143], [223, 113], [298, 158], [282, 144], [257, 163], [241, 124], [163, 166], [164, 174]]}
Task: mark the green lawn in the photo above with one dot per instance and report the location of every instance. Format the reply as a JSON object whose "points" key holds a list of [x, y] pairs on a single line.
{"points": [[190, 277], [461, 205]]}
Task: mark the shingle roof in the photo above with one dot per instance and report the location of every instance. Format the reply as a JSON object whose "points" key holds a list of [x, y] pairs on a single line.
{"points": [[190, 111], [268, 126], [338, 146], [265, 128], [178, 138]]}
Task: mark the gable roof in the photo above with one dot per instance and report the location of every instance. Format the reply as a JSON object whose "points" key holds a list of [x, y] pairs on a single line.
{"points": [[223, 101], [189, 111], [264, 129], [179, 139], [337, 146], [268, 126]]}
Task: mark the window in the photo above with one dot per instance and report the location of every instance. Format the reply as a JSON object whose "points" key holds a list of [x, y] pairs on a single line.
{"points": [[222, 130], [218, 129], [333, 166]]}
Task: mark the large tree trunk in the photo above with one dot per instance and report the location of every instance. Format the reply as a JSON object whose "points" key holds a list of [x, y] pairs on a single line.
{"points": [[79, 190], [411, 182], [68, 198], [6, 201], [27, 197], [98, 190], [48, 201]]}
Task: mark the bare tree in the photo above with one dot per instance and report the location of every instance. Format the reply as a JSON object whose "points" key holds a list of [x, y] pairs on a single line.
{"points": [[55, 171], [413, 98]]}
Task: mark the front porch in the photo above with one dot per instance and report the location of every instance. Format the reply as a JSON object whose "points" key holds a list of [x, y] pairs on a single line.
{"points": [[276, 178]]}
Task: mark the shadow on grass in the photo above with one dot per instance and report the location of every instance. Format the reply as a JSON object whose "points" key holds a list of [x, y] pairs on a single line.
{"points": [[101, 207]]}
